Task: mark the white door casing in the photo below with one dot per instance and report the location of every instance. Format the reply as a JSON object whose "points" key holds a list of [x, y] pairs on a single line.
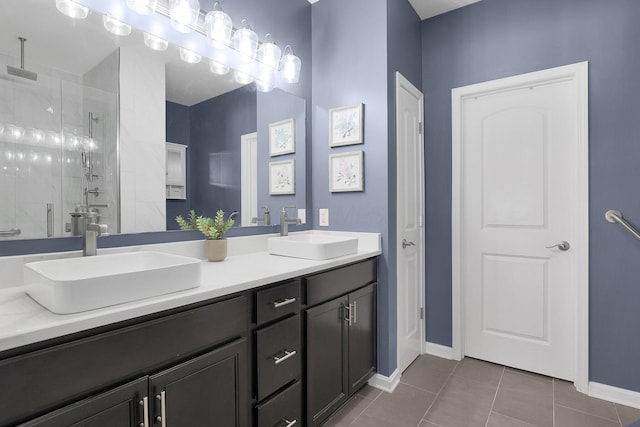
{"points": [[410, 219], [248, 178], [519, 184]]}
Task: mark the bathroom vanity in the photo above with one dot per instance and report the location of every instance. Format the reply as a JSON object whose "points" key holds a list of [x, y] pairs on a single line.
{"points": [[286, 342]]}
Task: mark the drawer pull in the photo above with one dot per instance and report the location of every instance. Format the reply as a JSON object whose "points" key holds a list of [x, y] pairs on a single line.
{"points": [[289, 423], [145, 412], [287, 354], [162, 418], [355, 313], [283, 302]]}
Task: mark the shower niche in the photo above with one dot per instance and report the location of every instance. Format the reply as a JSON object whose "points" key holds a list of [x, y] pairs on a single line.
{"points": [[58, 150]]}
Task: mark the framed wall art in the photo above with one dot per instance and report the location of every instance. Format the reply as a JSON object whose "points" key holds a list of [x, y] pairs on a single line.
{"points": [[282, 177], [346, 125], [346, 171], [282, 138]]}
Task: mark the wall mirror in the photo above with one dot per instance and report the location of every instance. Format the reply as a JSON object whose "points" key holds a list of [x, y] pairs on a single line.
{"points": [[59, 132]]}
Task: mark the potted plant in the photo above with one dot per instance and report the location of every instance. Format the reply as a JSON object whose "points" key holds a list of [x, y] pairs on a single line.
{"points": [[215, 245]]}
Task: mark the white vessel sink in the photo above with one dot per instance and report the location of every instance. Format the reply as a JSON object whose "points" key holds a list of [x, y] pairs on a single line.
{"points": [[312, 246], [72, 285]]}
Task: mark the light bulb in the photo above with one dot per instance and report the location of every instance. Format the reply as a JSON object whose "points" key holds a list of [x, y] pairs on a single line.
{"points": [[155, 42], [115, 26], [269, 53], [245, 41], [218, 68], [143, 7], [290, 66], [242, 78], [72, 9], [184, 15]]}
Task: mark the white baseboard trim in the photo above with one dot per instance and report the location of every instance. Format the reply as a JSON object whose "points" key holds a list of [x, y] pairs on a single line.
{"points": [[439, 350], [615, 394], [387, 384]]}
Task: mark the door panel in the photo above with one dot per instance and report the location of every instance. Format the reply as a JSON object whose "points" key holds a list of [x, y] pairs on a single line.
{"points": [[519, 186]]}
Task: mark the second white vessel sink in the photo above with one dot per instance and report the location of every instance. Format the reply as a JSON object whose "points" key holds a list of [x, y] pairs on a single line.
{"points": [[73, 285], [313, 246]]}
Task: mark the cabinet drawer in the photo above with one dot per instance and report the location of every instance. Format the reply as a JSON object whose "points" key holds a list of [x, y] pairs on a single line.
{"points": [[278, 355], [325, 286], [278, 301], [282, 409]]}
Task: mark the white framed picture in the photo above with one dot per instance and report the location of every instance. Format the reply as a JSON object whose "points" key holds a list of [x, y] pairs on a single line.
{"points": [[282, 138], [346, 125], [282, 177], [346, 171]]}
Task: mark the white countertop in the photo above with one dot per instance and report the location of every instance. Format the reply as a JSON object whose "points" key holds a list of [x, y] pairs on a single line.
{"points": [[23, 321]]}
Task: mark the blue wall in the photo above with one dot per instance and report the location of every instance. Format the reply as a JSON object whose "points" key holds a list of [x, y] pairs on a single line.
{"points": [[498, 38], [178, 131]]}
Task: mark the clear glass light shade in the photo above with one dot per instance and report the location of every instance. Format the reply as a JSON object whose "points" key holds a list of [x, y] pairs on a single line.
{"points": [[290, 67], [143, 7], [72, 9], [184, 15], [116, 27], [218, 26], [218, 68], [189, 56], [16, 133], [264, 85], [269, 54], [242, 78], [245, 41], [155, 42]]}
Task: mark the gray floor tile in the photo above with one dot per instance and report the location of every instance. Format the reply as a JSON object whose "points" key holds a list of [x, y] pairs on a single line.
{"points": [[366, 421], [525, 398], [370, 393], [566, 417], [628, 415], [478, 370], [462, 402], [404, 407], [499, 420], [428, 424], [428, 373], [565, 394], [349, 412]]}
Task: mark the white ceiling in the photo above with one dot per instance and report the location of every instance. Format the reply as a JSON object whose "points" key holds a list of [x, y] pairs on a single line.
{"points": [[428, 8]]}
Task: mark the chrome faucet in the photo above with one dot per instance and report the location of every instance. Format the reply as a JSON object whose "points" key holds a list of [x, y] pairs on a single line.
{"points": [[285, 220], [90, 233], [265, 218]]}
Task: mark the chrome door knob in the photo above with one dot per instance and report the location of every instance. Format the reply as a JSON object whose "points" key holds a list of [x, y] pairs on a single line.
{"points": [[406, 243], [563, 246]]}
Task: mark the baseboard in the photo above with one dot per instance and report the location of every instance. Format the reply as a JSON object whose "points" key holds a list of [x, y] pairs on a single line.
{"points": [[615, 394], [439, 350], [383, 383]]}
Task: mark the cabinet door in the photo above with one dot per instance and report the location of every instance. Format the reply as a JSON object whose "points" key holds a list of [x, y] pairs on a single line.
{"points": [[120, 407], [362, 336], [210, 390], [326, 351]]}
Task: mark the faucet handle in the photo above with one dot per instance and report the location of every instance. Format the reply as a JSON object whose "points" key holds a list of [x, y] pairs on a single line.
{"points": [[284, 208], [266, 209]]}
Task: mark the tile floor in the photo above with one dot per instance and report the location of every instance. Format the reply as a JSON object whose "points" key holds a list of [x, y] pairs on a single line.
{"points": [[438, 392]]}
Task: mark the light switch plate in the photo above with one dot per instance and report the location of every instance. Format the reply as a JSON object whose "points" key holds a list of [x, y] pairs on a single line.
{"points": [[324, 217], [302, 215]]}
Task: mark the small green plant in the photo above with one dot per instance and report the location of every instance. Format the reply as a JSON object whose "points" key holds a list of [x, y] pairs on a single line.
{"points": [[214, 228], [191, 225]]}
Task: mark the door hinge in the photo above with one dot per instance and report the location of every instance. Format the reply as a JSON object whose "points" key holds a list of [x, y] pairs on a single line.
{"points": [[420, 130], [421, 313]]}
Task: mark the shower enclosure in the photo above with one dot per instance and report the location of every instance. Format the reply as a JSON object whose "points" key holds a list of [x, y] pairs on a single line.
{"points": [[58, 152]]}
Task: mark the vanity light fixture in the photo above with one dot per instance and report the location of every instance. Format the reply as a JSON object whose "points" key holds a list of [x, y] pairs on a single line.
{"points": [[155, 42], [245, 40], [269, 58], [290, 66], [72, 9], [115, 26], [189, 56], [218, 68], [142, 7], [218, 27], [184, 15]]}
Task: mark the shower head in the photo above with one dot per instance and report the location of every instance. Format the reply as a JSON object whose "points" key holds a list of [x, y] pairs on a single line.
{"points": [[21, 72]]}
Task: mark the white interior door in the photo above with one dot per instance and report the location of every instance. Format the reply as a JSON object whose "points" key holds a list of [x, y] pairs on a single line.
{"points": [[248, 178], [410, 218], [521, 223]]}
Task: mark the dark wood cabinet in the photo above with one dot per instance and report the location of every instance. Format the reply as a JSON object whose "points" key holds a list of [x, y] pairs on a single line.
{"points": [[208, 390], [121, 407], [341, 347]]}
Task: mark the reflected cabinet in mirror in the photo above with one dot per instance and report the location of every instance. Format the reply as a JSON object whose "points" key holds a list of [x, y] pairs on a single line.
{"points": [[85, 118]]}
